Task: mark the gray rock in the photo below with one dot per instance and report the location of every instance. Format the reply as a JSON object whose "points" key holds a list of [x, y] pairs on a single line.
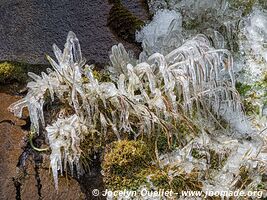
{"points": [[29, 28]]}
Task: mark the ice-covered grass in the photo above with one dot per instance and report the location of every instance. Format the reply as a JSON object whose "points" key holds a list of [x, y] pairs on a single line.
{"points": [[178, 79], [144, 98]]}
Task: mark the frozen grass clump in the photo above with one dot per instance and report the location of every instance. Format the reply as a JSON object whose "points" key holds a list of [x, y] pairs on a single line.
{"points": [[192, 73], [144, 98]]}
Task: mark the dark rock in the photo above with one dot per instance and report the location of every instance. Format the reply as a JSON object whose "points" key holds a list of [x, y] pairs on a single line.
{"points": [[29, 28]]}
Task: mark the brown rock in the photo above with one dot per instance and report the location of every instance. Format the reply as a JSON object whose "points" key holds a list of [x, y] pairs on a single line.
{"points": [[39, 182], [6, 100], [35, 182], [10, 150]]}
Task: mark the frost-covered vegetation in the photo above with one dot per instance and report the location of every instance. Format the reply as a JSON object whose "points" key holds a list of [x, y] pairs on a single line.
{"points": [[175, 109]]}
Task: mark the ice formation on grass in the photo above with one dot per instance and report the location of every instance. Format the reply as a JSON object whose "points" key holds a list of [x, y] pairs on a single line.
{"points": [[250, 57], [144, 97], [64, 137], [177, 79]]}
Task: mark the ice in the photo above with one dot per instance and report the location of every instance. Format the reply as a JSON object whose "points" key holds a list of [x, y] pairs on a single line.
{"points": [[162, 34], [173, 78]]}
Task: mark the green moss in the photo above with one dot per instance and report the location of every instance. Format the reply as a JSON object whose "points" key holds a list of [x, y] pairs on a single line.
{"points": [[248, 95], [185, 181], [243, 88], [168, 143], [92, 143], [248, 7], [124, 165], [191, 24], [250, 108], [101, 76], [123, 23], [160, 178], [163, 146], [127, 165], [11, 71], [217, 160]]}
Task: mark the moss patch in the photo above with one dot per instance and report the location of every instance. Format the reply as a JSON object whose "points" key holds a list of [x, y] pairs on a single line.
{"points": [[127, 165], [12, 71], [124, 164], [123, 23], [217, 160], [242, 88]]}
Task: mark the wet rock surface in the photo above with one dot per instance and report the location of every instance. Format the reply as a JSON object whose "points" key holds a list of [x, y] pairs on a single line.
{"points": [[29, 28]]}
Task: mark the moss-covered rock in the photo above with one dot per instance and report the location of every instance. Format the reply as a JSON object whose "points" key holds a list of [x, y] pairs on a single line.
{"points": [[12, 71], [124, 163], [127, 165], [122, 22]]}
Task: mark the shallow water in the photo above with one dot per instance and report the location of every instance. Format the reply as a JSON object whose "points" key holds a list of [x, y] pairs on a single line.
{"points": [[29, 28]]}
